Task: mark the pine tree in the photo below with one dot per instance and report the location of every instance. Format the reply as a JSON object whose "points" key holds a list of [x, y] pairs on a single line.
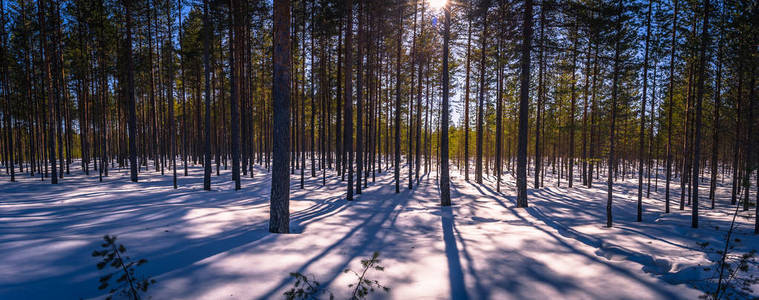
{"points": [[445, 193], [279, 208], [524, 102]]}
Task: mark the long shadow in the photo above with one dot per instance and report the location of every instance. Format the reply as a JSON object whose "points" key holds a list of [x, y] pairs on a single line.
{"points": [[373, 215], [593, 242], [167, 251], [487, 191], [455, 273], [482, 292], [524, 269]]}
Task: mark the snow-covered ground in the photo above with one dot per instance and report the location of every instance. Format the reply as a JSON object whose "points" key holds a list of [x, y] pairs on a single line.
{"points": [[215, 245]]}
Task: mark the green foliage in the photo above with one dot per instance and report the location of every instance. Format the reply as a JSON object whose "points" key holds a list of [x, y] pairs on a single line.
{"points": [[128, 283], [738, 279], [306, 289], [365, 286], [733, 277]]}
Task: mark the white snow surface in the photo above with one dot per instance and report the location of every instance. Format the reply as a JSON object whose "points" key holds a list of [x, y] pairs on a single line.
{"points": [[215, 244]]}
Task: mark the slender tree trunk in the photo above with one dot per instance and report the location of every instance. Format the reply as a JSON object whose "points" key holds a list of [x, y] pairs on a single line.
{"points": [[524, 102], [481, 100], [397, 112], [348, 110], [47, 82], [207, 81], [170, 82], [5, 82], [466, 91], [445, 193], [541, 95], [614, 88], [716, 123], [498, 112], [699, 98], [313, 102], [184, 94], [573, 104], [586, 95], [234, 37], [643, 116], [130, 95], [359, 100], [670, 108]]}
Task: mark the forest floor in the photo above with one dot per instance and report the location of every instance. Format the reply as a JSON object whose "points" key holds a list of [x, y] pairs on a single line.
{"points": [[215, 245]]}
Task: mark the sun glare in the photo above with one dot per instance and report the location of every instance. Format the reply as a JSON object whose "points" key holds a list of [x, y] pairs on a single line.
{"points": [[437, 4]]}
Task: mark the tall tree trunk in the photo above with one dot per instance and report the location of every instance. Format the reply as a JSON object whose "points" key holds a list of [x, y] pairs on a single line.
{"points": [[614, 91], [184, 94], [313, 102], [466, 91], [207, 75], [643, 116], [539, 108], [170, 93], [481, 100], [130, 95], [348, 110], [670, 107], [397, 112], [419, 104], [573, 104], [47, 82], [699, 98], [586, 95], [524, 102], [499, 109], [279, 207], [234, 38], [359, 101], [445, 192], [716, 123], [5, 82]]}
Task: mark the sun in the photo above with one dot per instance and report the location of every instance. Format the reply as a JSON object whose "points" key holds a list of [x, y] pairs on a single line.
{"points": [[437, 4]]}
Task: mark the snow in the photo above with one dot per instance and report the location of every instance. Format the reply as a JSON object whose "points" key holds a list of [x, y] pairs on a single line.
{"points": [[215, 244]]}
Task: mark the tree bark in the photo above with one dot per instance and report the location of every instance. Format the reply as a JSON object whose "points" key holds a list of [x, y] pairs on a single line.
{"points": [[670, 108], [524, 102], [643, 116], [445, 193], [279, 214], [130, 95]]}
